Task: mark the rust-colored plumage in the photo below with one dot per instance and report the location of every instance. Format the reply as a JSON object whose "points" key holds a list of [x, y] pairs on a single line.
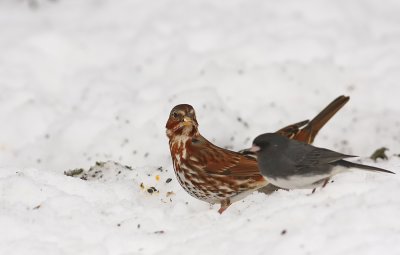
{"points": [[216, 175], [201, 167], [306, 131]]}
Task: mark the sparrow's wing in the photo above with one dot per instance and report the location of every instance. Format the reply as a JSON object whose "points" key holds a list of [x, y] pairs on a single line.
{"points": [[218, 161], [292, 130]]}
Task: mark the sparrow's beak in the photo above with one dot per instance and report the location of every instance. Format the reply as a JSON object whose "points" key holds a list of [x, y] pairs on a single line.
{"points": [[187, 121], [255, 148]]}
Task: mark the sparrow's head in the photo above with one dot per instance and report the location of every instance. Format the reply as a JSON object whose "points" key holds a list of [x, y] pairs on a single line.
{"points": [[181, 121]]}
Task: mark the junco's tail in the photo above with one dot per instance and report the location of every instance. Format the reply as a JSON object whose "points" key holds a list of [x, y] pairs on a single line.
{"points": [[308, 133], [348, 164]]}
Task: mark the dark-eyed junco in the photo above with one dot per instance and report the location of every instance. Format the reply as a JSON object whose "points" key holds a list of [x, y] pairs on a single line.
{"points": [[291, 164]]}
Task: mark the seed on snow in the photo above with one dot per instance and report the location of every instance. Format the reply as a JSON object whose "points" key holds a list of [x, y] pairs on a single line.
{"points": [[152, 190], [170, 193]]}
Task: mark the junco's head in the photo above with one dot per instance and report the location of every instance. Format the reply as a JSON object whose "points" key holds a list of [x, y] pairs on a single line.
{"points": [[269, 142]]}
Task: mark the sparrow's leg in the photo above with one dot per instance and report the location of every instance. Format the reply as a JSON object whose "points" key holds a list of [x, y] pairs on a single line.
{"points": [[224, 205]]}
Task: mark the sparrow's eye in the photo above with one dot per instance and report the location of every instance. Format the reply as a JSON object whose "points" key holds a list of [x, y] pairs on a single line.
{"points": [[175, 115]]}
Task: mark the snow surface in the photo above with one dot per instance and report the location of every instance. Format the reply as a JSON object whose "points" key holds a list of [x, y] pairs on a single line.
{"points": [[86, 81]]}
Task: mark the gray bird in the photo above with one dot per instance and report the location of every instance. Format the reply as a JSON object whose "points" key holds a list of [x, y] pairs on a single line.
{"points": [[291, 164]]}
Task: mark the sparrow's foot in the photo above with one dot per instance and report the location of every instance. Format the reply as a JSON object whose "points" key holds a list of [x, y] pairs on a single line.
{"points": [[224, 205]]}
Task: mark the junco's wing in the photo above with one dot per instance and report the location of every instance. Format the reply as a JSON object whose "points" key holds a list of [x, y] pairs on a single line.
{"points": [[308, 156]]}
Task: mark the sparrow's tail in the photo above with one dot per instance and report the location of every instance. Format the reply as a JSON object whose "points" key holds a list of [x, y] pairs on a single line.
{"points": [[308, 133], [348, 164], [305, 131]]}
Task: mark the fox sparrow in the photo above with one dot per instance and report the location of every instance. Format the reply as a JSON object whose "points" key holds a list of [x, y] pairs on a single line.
{"points": [[216, 175]]}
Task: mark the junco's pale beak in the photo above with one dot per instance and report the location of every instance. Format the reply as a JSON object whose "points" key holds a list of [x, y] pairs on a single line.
{"points": [[254, 148]]}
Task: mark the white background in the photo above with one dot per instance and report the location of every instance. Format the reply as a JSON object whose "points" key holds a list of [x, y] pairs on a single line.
{"points": [[86, 81]]}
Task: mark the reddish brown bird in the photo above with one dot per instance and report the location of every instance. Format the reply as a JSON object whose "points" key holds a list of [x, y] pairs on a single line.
{"points": [[216, 175]]}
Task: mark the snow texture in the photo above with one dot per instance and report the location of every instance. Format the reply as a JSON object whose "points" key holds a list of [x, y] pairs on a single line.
{"points": [[94, 80]]}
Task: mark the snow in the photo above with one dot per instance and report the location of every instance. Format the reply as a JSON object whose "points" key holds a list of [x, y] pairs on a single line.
{"points": [[94, 81]]}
